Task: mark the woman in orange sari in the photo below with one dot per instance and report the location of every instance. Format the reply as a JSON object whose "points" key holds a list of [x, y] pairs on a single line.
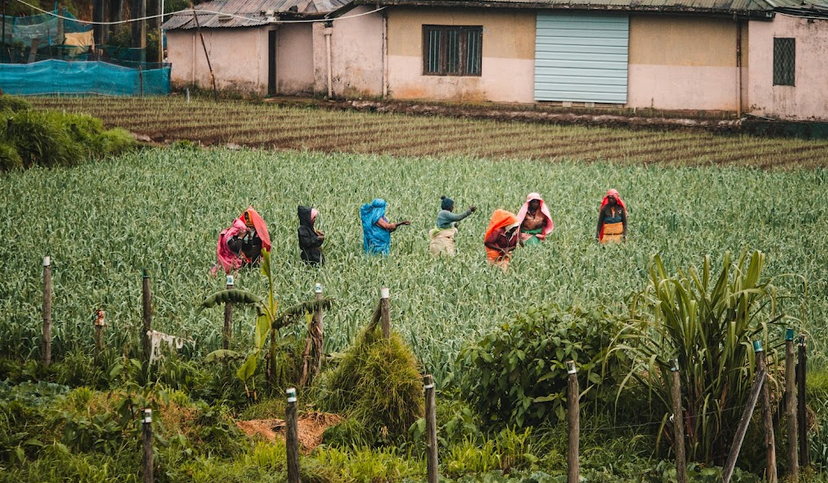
{"points": [[242, 244], [612, 219], [501, 238]]}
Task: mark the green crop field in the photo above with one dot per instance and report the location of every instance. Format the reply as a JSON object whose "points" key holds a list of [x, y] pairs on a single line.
{"points": [[162, 209]]}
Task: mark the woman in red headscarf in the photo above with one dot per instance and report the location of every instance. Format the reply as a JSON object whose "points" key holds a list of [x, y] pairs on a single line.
{"points": [[612, 219], [242, 244], [501, 238]]}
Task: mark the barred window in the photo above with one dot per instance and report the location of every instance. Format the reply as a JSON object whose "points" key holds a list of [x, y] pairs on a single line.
{"points": [[452, 50], [784, 61]]}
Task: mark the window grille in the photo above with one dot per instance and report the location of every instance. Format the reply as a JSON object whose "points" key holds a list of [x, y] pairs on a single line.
{"points": [[452, 50], [784, 61]]}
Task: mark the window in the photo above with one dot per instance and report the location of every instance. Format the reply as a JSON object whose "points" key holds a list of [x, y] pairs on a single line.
{"points": [[452, 50], [784, 61]]}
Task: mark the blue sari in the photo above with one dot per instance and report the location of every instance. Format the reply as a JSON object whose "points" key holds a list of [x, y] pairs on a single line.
{"points": [[375, 240]]}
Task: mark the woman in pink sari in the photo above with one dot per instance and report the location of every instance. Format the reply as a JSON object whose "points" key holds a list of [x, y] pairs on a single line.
{"points": [[242, 243], [535, 220]]}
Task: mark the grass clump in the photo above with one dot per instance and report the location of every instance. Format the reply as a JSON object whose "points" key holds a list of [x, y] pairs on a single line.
{"points": [[378, 383], [14, 104]]}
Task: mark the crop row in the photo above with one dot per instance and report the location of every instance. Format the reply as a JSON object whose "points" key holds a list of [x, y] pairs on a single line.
{"points": [[272, 126]]}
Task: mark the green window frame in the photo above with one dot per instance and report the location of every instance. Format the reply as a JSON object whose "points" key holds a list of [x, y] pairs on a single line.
{"points": [[452, 50], [784, 61]]}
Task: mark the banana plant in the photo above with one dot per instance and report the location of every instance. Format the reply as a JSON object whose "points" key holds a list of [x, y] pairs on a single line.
{"points": [[269, 321]]}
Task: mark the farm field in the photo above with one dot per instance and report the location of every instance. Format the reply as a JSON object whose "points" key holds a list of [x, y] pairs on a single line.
{"points": [[262, 125], [162, 210]]}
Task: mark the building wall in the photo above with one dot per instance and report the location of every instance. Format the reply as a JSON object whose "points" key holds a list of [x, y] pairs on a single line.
{"points": [[808, 99], [294, 59], [238, 57], [356, 55], [508, 63], [685, 63]]}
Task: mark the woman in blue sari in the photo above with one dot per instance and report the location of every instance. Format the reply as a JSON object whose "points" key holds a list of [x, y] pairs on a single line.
{"points": [[376, 229]]}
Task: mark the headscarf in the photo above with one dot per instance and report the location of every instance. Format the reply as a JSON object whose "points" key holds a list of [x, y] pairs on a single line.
{"points": [[314, 214], [500, 219], [259, 224], [605, 202], [548, 226], [447, 203]]}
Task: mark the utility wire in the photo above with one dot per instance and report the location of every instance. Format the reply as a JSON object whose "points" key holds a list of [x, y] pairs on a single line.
{"points": [[196, 11]]}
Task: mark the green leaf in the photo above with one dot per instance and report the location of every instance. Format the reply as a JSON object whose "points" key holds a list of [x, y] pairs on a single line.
{"points": [[247, 369], [222, 355], [262, 329]]}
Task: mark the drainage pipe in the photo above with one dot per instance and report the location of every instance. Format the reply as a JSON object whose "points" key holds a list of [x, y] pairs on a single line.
{"points": [[328, 32]]}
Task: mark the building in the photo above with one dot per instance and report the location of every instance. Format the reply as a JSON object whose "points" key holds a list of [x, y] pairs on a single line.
{"points": [[744, 56]]}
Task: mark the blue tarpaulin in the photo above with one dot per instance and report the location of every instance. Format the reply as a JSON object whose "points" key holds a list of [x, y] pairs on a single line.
{"points": [[61, 77]]}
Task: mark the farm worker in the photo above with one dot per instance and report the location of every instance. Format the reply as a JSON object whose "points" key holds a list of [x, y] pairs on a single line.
{"points": [[376, 229], [442, 237], [612, 219], [501, 238], [310, 239], [535, 221], [242, 243]]}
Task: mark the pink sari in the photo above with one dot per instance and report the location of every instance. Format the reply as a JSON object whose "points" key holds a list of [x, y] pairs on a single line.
{"points": [[227, 258], [548, 227]]}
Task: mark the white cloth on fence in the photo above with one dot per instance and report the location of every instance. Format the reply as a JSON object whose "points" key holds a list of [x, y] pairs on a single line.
{"points": [[156, 338]]}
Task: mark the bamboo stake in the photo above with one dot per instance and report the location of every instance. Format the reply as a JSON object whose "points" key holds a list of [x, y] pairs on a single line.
{"points": [[147, 300], [99, 325], [790, 407], [47, 311], [739, 437], [385, 316], [678, 423], [804, 455], [573, 424], [767, 416], [228, 317], [147, 458], [206, 55], [312, 356], [433, 468], [292, 437]]}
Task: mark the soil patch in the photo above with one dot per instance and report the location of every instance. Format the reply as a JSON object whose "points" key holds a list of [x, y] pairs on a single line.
{"points": [[310, 428]]}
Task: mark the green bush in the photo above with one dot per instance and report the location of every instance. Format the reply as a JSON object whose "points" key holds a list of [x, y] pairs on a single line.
{"points": [[377, 383], [47, 138], [518, 376], [9, 157], [14, 104]]}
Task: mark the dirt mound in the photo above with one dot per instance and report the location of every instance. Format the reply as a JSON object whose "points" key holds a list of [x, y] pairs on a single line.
{"points": [[310, 428]]}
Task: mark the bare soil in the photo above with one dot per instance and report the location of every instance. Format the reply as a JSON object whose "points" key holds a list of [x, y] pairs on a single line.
{"points": [[310, 429]]}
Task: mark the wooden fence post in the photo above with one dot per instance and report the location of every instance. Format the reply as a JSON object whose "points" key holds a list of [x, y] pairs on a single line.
{"points": [[739, 437], [385, 318], [312, 356], [228, 318], [433, 475], [804, 455], [767, 415], [147, 459], [292, 437], [147, 303], [678, 423], [47, 311], [99, 325], [573, 396], [790, 406]]}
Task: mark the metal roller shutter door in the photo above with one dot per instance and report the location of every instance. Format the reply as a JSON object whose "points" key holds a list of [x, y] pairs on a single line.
{"points": [[581, 57]]}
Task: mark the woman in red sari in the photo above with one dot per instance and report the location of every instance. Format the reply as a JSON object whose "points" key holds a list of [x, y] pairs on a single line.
{"points": [[242, 243], [501, 238], [612, 219]]}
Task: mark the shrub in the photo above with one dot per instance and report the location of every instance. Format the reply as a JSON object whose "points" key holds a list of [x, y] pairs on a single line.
{"points": [[378, 383], [9, 157], [518, 374], [14, 104]]}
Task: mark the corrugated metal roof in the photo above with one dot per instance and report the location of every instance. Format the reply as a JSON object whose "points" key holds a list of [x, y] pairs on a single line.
{"points": [[749, 8], [249, 13]]}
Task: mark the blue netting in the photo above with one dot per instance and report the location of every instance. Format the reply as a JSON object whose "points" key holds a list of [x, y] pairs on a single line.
{"points": [[43, 27], [61, 77]]}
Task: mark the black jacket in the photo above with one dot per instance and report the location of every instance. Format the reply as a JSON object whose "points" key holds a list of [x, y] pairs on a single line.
{"points": [[309, 241]]}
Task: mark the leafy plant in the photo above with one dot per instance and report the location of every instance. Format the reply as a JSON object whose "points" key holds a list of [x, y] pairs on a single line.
{"points": [[518, 375], [707, 323]]}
